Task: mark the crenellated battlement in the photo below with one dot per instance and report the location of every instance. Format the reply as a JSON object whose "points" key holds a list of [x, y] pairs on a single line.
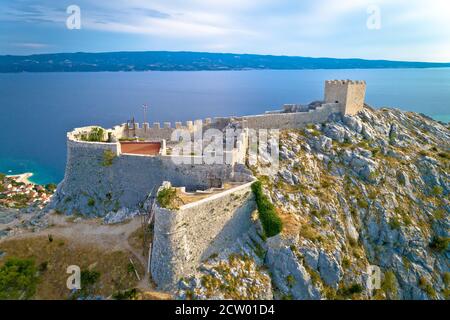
{"points": [[341, 96], [345, 82], [349, 94], [190, 124]]}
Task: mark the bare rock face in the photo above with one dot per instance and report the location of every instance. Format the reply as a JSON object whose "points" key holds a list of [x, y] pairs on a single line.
{"points": [[290, 275], [369, 190]]}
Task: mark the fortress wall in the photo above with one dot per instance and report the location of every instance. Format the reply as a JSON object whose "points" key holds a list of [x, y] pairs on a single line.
{"points": [[349, 94], [292, 120], [184, 238], [158, 131], [155, 134], [127, 182], [336, 92], [355, 97]]}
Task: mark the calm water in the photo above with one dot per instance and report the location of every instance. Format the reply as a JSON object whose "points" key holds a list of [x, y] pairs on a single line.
{"points": [[36, 110]]}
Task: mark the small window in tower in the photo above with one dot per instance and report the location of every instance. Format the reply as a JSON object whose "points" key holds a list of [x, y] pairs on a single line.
{"points": [[337, 101]]}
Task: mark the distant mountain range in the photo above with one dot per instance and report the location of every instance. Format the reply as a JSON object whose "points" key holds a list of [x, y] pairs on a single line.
{"points": [[187, 61]]}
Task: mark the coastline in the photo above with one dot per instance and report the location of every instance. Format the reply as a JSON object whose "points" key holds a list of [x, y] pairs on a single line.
{"points": [[23, 177]]}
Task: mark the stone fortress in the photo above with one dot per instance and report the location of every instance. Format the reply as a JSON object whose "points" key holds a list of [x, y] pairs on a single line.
{"points": [[119, 176]]}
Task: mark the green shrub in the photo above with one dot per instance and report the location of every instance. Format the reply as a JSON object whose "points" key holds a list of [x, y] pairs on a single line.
{"points": [[315, 133], [362, 203], [130, 268], [91, 202], [108, 158], [88, 281], [290, 280], [51, 187], [89, 278], [349, 291], [446, 278], [43, 266], [270, 220], [18, 279], [437, 191], [439, 244], [439, 214], [444, 155], [394, 223], [167, 198], [2, 176], [96, 134], [426, 286], [125, 295]]}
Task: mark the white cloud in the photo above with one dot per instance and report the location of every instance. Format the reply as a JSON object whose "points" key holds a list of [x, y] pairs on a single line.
{"points": [[293, 27], [31, 45]]}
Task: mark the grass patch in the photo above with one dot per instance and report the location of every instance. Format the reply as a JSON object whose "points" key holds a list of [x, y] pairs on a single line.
{"points": [[389, 285], [270, 220], [53, 259], [308, 232]]}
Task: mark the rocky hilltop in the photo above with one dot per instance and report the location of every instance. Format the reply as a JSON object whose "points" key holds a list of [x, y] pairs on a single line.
{"points": [[358, 191]]}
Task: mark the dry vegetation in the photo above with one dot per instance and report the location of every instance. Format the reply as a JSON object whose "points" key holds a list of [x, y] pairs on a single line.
{"points": [[52, 256]]}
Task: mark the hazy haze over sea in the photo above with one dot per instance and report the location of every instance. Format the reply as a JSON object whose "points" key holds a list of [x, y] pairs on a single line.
{"points": [[37, 109]]}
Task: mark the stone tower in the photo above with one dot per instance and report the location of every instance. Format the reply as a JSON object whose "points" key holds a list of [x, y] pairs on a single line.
{"points": [[349, 94]]}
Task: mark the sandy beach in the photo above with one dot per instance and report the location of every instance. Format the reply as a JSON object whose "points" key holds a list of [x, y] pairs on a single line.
{"points": [[24, 177]]}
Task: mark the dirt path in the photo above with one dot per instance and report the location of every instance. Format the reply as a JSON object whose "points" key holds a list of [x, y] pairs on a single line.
{"points": [[94, 232]]}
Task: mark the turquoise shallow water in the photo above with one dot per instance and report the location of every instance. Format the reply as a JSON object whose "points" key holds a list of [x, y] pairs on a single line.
{"points": [[37, 109], [41, 174], [442, 117]]}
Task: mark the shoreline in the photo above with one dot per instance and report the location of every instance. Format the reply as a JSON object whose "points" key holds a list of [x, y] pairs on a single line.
{"points": [[23, 177]]}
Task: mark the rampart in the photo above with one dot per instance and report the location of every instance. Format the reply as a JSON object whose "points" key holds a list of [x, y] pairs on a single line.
{"points": [[185, 237], [158, 132], [97, 182], [291, 120]]}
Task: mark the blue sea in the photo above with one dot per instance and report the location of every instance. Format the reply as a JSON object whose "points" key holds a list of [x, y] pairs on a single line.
{"points": [[37, 109]]}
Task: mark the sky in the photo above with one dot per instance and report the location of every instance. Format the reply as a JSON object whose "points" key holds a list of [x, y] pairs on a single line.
{"points": [[410, 30]]}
